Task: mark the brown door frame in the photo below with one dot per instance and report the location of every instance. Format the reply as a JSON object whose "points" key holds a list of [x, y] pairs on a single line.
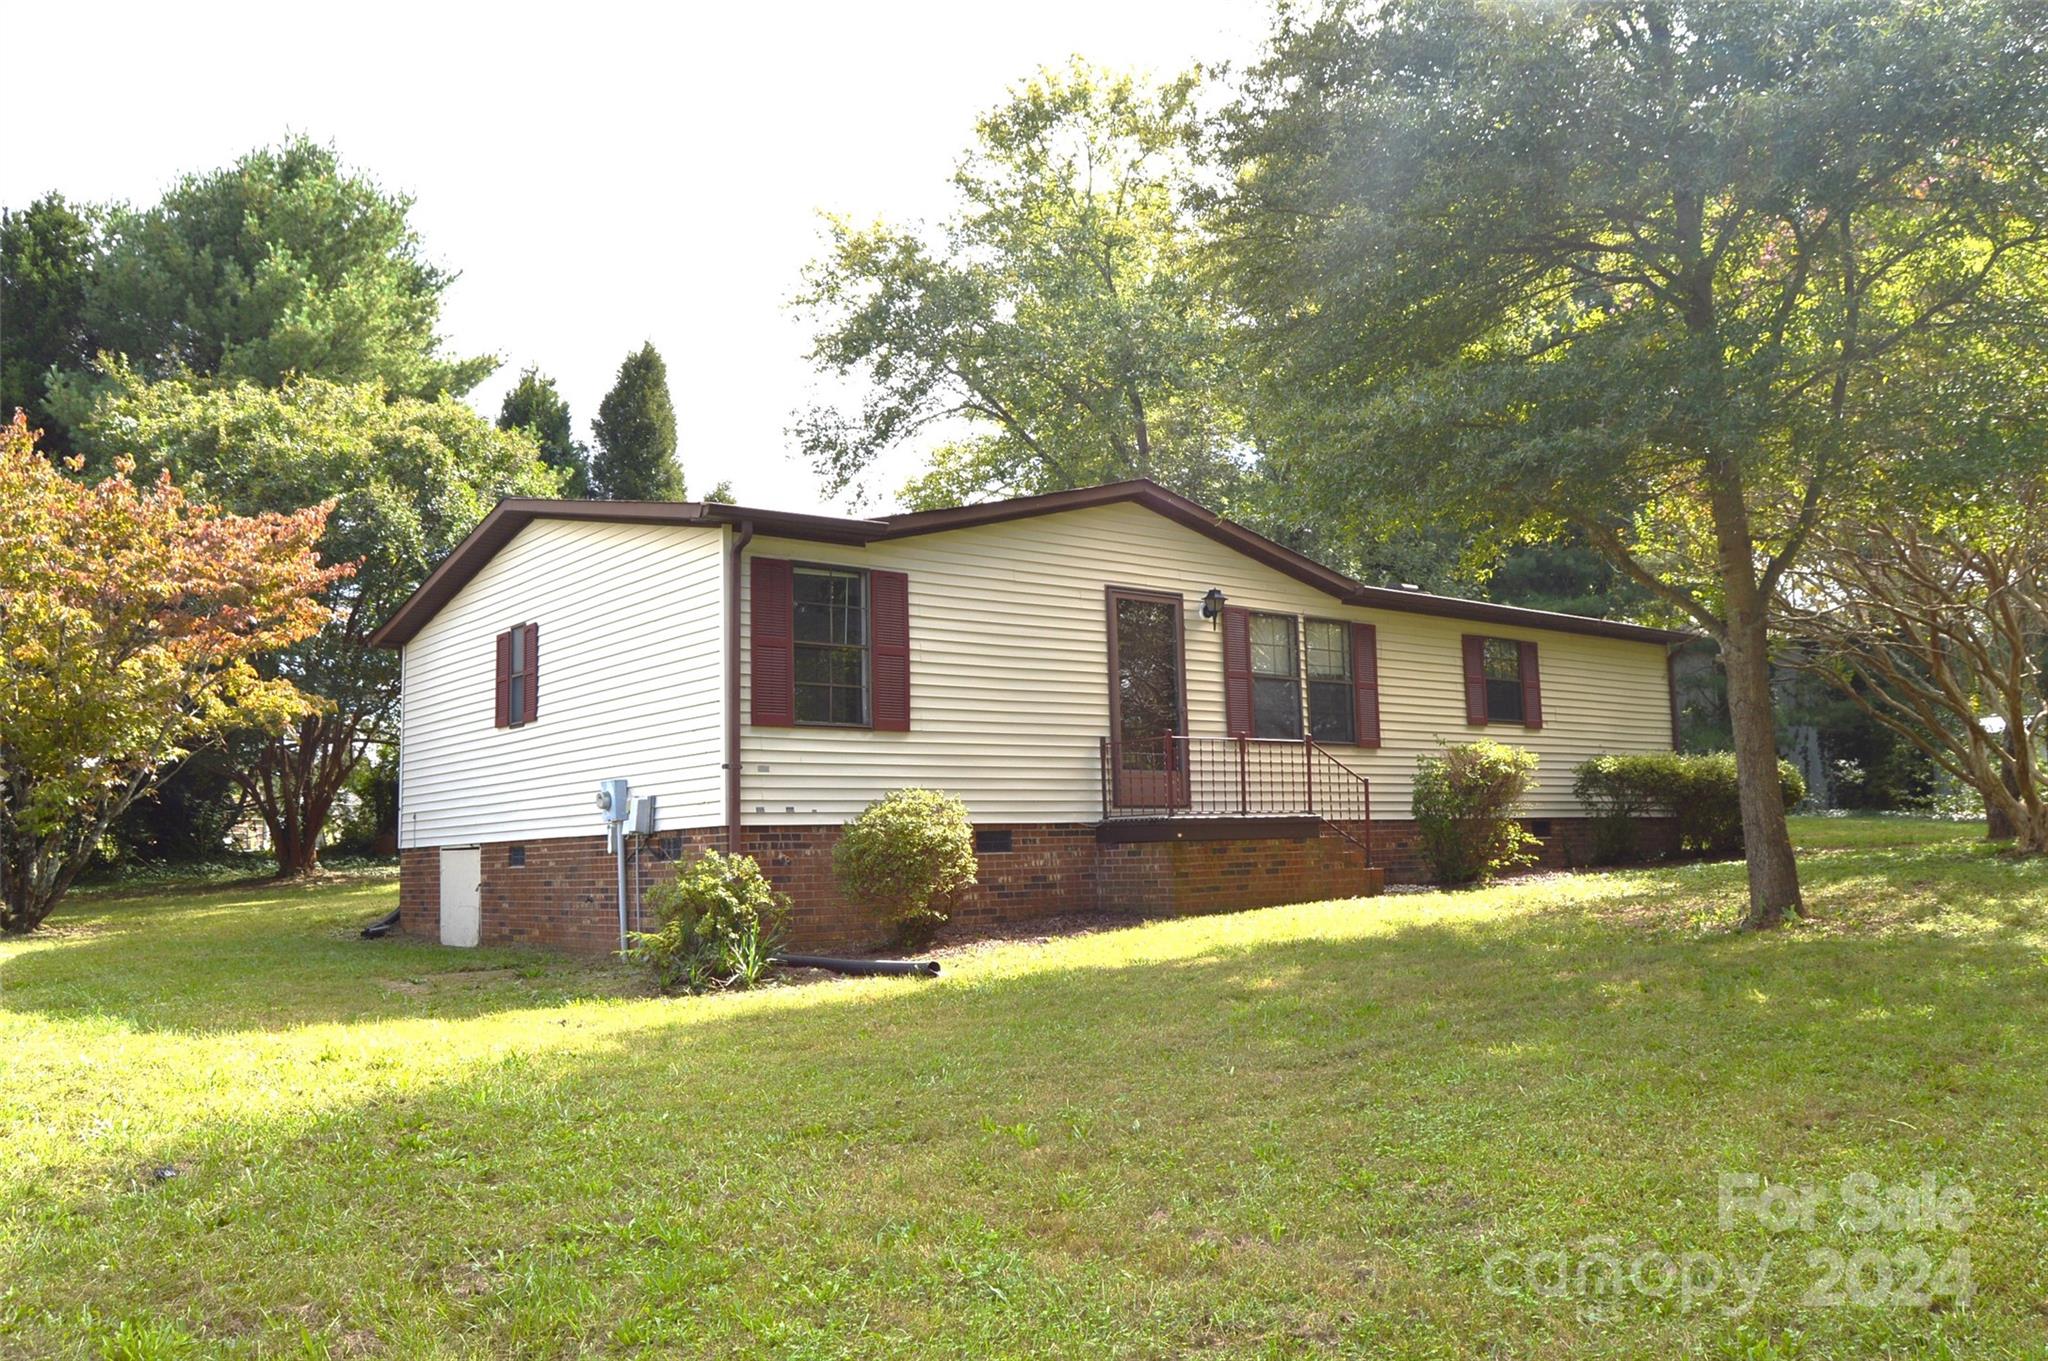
{"points": [[1173, 789]]}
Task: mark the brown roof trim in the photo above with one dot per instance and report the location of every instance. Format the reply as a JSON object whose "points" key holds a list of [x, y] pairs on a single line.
{"points": [[1153, 497], [1262, 549], [511, 516], [1517, 616], [790, 524]]}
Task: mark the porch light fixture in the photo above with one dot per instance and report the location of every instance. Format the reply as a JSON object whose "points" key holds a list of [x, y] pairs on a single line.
{"points": [[1212, 603]]}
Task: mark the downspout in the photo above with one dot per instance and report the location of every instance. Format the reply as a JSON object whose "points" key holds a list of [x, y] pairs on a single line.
{"points": [[732, 687], [1671, 693], [398, 837]]}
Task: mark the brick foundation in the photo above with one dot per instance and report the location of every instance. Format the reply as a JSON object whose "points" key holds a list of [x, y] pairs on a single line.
{"points": [[1567, 844], [564, 893], [1196, 876]]}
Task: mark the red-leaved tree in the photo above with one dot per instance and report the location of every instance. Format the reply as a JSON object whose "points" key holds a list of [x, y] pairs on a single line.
{"points": [[129, 617]]}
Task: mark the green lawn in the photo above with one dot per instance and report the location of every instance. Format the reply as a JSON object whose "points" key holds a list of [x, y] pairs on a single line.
{"points": [[1298, 1131]]}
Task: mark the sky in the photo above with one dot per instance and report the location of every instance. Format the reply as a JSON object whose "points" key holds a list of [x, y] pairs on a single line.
{"points": [[599, 174]]}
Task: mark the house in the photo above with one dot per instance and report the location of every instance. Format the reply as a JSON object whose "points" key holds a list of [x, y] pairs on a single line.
{"points": [[1144, 705]]}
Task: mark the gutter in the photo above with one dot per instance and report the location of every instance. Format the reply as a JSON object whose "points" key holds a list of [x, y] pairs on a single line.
{"points": [[732, 687], [511, 515], [1514, 616]]}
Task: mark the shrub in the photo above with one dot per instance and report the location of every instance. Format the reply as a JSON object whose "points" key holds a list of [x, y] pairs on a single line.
{"points": [[1699, 790], [1465, 804], [1617, 790], [1709, 806], [720, 919], [907, 855]]}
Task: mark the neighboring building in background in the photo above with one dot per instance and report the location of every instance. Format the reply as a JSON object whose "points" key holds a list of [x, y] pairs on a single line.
{"points": [[1144, 705], [1848, 759]]}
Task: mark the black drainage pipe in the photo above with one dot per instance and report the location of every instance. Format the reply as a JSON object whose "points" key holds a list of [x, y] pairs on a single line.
{"points": [[919, 968], [383, 926]]}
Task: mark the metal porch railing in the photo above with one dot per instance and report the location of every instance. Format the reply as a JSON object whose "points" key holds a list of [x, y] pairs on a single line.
{"points": [[1234, 777]]}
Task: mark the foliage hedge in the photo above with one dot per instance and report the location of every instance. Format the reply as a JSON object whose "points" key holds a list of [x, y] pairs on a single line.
{"points": [[907, 855], [1465, 805], [1699, 790], [720, 919]]}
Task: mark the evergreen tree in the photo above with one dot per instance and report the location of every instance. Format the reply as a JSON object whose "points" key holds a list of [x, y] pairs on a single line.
{"points": [[636, 434], [285, 262], [46, 256], [535, 406]]}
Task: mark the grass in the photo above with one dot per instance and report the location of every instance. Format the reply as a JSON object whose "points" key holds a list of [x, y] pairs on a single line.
{"points": [[232, 1128], [1873, 831]]}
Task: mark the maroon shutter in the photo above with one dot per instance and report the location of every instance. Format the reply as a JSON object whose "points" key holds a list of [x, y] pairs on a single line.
{"points": [[774, 675], [532, 671], [1365, 684], [1532, 689], [503, 687], [889, 660], [1237, 671], [1475, 679]]}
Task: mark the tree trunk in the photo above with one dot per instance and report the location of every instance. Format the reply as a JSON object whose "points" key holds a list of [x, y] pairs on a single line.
{"points": [[36, 871], [2030, 836], [294, 783], [20, 909], [297, 853], [2018, 817], [2001, 824], [1745, 657], [1766, 843]]}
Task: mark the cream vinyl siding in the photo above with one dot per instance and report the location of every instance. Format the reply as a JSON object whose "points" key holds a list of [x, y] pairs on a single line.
{"points": [[630, 684], [1009, 686]]}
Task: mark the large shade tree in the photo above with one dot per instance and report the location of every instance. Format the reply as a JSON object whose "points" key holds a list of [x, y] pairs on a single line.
{"points": [[1053, 331], [407, 479], [1666, 274], [131, 619]]}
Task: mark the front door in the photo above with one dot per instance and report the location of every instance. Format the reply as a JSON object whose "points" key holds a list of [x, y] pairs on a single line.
{"points": [[462, 885], [1148, 700]]}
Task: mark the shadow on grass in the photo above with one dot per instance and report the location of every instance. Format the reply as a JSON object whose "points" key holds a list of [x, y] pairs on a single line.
{"points": [[271, 955], [219, 959], [1164, 1141]]}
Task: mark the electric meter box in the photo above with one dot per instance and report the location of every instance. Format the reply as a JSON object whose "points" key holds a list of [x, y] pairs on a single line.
{"points": [[613, 800]]}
